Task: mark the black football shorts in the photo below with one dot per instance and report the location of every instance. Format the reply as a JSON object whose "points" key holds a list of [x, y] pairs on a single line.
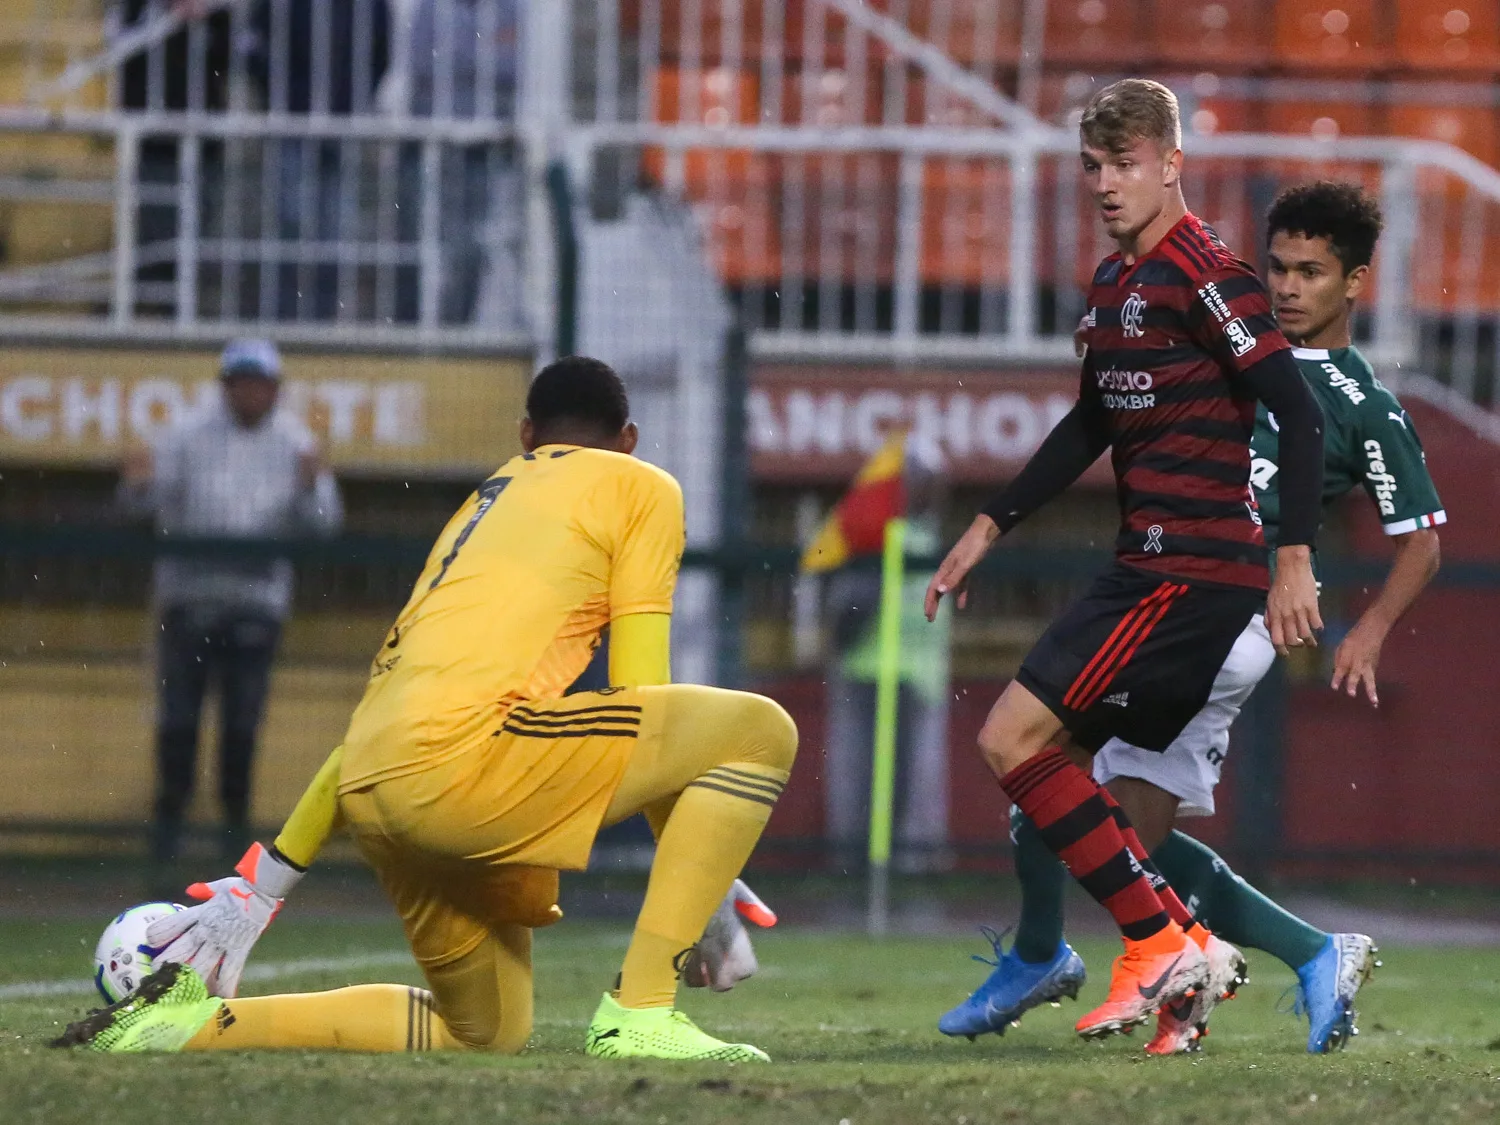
{"points": [[1135, 657]]}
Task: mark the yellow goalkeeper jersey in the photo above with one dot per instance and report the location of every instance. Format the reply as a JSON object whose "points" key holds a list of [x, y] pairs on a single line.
{"points": [[511, 602]]}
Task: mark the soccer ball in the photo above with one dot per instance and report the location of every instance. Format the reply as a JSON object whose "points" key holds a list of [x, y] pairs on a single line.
{"points": [[122, 959]]}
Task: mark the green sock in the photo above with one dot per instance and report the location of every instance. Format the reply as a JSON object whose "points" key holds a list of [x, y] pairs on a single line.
{"points": [[1043, 881], [1231, 907]]}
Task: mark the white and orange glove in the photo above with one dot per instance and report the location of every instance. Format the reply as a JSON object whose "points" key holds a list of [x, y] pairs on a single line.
{"points": [[215, 938], [723, 956]]}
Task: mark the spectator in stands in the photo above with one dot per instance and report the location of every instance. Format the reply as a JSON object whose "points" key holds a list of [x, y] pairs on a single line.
{"points": [[920, 826], [159, 77], [239, 468], [316, 57], [464, 64]]}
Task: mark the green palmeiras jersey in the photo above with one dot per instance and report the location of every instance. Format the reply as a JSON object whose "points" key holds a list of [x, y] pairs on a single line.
{"points": [[1368, 441]]}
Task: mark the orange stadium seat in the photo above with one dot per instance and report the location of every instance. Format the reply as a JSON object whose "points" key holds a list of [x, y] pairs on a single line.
{"points": [[742, 225], [1205, 116], [836, 99], [704, 38], [1345, 34], [971, 31], [1224, 34], [1471, 128], [1081, 32], [929, 103], [716, 97], [732, 189], [1063, 96], [1460, 236], [1444, 202], [1448, 34], [965, 223], [1324, 120], [847, 231]]}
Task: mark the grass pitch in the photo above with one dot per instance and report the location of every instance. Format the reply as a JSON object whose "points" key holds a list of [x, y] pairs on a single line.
{"points": [[850, 1024]]}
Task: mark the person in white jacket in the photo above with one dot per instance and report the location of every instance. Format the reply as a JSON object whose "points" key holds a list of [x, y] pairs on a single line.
{"points": [[239, 468]]}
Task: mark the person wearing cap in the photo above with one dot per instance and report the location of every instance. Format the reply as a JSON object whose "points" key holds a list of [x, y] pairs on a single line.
{"points": [[237, 468]]}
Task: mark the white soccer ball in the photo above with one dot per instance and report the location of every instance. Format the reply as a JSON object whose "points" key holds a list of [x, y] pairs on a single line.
{"points": [[123, 959]]}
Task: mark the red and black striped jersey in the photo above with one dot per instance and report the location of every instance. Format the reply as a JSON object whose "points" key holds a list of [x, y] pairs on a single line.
{"points": [[1169, 338]]}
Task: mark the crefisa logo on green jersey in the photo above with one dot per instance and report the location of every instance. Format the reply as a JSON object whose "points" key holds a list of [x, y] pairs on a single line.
{"points": [[1337, 378], [1376, 474]]}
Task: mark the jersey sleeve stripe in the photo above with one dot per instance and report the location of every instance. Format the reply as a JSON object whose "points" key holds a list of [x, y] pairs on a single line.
{"points": [[1179, 257], [1416, 523], [1197, 255]]}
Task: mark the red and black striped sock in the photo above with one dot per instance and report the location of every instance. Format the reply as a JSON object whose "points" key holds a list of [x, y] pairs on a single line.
{"points": [[1074, 820], [1176, 909]]}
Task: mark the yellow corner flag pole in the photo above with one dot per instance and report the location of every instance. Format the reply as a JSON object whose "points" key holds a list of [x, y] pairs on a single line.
{"points": [[887, 686]]}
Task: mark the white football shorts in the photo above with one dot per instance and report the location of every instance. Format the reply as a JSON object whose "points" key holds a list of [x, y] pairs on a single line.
{"points": [[1189, 768]]}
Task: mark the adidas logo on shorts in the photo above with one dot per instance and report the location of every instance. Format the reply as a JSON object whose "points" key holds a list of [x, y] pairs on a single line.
{"points": [[1118, 699]]}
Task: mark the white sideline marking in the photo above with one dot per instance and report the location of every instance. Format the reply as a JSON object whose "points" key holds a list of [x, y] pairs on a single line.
{"points": [[32, 989]]}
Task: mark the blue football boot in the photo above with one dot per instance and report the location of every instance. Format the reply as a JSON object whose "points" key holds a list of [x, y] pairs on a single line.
{"points": [[1326, 987], [1014, 988]]}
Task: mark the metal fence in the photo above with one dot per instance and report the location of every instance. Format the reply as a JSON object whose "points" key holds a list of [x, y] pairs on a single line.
{"points": [[210, 223], [887, 242], [858, 180]]}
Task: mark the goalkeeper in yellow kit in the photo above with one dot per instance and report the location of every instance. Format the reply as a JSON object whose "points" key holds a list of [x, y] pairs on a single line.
{"points": [[468, 780]]}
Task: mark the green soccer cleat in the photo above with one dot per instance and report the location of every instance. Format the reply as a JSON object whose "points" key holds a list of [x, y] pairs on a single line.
{"points": [[168, 1009], [658, 1033]]}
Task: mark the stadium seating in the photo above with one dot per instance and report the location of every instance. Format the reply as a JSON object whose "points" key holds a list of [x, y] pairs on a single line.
{"points": [[1450, 35], [1346, 35], [1449, 210], [971, 31], [702, 40], [1326, 120], [717, 97], [1096, 32], [965, 223], [743, 225], [1217, 114], [1471, 128], [832, 98], [1323, 119], [1228, 35]]}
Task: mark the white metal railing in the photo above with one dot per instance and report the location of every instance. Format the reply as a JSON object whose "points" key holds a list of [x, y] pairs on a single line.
{"points": [[867, 191], [859, 182], [221, 221], [277, 163], [961, 244]]}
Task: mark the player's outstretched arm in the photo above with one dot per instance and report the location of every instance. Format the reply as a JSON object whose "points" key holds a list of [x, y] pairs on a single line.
{"points": [[1354, 663], [1403, 494], [1074, 444], [215, 937]]}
